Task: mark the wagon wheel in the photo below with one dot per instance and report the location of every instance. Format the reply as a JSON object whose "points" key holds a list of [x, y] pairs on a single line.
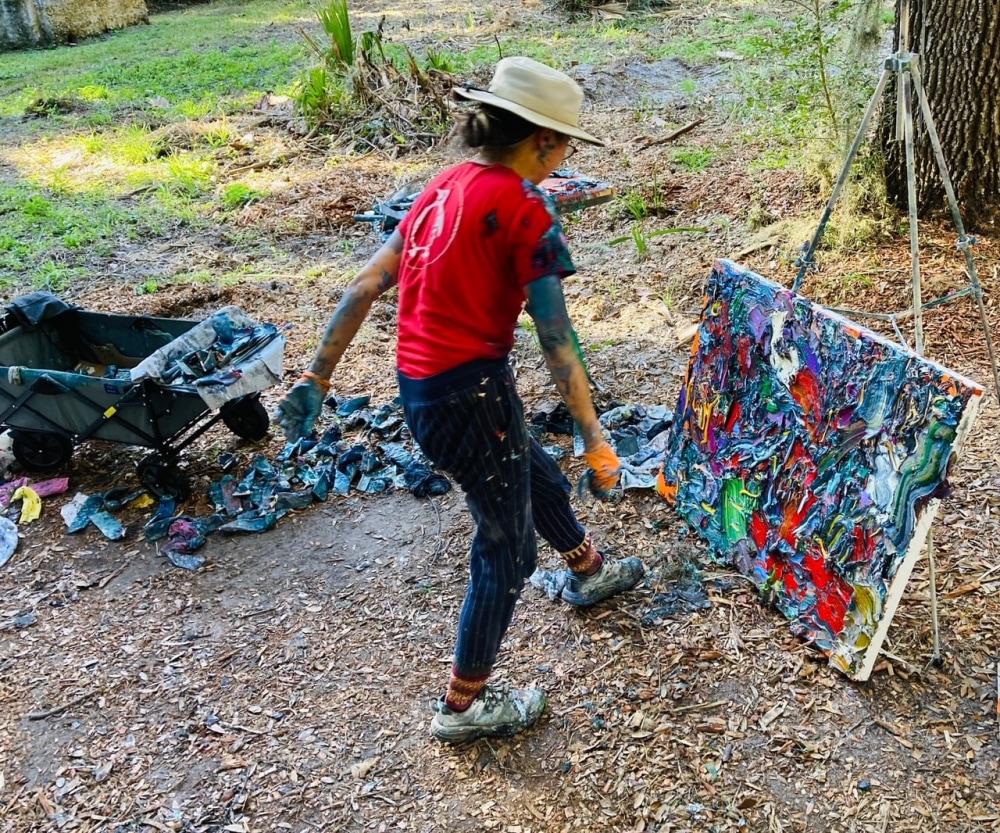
{"points": [[246, 418], [161, 478], [40, 450]]}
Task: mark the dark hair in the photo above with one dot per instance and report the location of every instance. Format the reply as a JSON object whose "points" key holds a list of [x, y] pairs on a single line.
{"points": [[495, 130]]}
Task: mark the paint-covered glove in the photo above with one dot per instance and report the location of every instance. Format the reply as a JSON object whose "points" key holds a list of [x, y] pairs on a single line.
{"points": [[302, 404], [605, 471]]}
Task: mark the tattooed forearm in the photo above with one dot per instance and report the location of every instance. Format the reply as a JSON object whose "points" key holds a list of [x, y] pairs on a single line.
{"points": [[379, 275], [547, 307], [344, 324], [553, 339]]}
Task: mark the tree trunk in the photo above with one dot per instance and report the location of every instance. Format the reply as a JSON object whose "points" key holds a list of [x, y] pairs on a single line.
{"points": [[958, 43]]}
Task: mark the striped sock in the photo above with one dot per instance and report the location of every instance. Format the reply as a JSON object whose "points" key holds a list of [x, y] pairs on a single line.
{"points": [[585, 559], [462, 690]]}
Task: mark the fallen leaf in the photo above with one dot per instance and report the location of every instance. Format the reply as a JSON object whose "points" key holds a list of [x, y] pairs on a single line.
{"points": [[361, 770], [231, 762], [772, 714]]}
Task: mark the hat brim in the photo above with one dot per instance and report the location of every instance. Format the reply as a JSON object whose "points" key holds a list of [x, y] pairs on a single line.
{"points": [[485, 97]]}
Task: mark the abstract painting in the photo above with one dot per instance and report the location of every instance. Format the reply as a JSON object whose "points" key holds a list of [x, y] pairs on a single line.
{"points": [[812, 455]]}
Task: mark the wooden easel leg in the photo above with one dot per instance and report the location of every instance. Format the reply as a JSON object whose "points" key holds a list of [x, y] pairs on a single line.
{"points": [[936, 659]]}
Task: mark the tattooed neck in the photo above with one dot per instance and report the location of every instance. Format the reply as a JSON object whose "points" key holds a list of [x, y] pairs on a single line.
{"points": [[543, 153]]}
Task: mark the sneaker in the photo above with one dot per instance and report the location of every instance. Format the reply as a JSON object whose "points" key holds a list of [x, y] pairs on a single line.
{"points": [[613, 578], [495, 713]]}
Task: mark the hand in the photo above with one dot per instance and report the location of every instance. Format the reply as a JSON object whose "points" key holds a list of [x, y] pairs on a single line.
{"points": [[605, 470], [298, 410]]}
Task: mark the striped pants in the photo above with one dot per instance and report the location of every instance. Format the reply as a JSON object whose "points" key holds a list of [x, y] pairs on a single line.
{"points": [[470, 423]]}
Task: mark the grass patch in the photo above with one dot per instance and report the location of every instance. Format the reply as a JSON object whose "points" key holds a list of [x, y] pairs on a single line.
{"points": [[206, 59], [106, 112], [104, 106], [236, 195], [48, 236], [645, 200], [694, 52], [808, 79], [693, 159]]}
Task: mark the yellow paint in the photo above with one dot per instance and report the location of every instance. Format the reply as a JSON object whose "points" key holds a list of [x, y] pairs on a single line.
{"points": [[866, 606], [840, 663], [705, 417]]}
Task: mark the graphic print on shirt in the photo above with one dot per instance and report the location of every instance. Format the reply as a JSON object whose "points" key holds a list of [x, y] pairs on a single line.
{"points": [[434, 228]]}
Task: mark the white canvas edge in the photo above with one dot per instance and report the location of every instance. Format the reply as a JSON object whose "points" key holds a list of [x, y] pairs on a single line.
{"points": [[862, 329]]}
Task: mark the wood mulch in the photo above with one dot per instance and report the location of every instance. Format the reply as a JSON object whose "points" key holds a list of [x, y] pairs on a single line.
{"points": [[287, 685]]}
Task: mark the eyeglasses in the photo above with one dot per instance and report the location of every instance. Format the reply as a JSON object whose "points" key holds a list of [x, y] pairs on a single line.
{"points": [[570, 150]]}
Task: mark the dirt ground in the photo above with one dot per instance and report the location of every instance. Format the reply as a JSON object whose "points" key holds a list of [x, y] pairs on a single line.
{"points": [[287, 684]]}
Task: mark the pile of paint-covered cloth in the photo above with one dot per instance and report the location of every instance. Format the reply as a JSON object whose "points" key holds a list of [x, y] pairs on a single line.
{"points": [[304, 472], [310, 470], [379, 458], [638, 434]]}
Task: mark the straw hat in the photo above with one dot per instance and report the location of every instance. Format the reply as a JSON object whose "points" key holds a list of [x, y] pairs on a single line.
{"points": [[537, 93]]}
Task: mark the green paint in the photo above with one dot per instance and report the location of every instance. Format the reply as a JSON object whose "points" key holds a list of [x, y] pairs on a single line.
{"points": [[737, 505], [579, 355], [765, 394], [918, 476]]}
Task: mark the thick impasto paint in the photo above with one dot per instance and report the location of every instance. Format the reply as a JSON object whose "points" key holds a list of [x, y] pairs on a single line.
{"points": [[811, 454]]}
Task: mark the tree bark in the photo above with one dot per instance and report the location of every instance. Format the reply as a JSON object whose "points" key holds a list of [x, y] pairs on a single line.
{"points": [[958, 43]]}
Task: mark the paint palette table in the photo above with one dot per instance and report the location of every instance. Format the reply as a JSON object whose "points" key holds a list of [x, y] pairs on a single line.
{"points": [[811, 454], [569, 189]]}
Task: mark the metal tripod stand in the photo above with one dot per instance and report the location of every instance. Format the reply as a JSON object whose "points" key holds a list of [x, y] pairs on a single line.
{"points": [[905, 66]]}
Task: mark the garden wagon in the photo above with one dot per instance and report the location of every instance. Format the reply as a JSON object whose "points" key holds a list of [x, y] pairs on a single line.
{"points": [[68, 376]]}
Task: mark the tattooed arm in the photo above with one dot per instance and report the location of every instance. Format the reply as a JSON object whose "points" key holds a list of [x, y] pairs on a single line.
{"points": [[547, 308], [298, 410], [377, 276]]}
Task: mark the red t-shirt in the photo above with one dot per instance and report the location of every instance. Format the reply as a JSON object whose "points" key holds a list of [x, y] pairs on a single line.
{"points": [[474, 238]]}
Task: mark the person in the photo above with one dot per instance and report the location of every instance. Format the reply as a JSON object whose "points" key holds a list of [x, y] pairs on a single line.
{"points": [[480, 241]]}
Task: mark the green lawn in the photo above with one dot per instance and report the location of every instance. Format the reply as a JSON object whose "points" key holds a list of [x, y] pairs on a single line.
{"points": [[89, 167]]}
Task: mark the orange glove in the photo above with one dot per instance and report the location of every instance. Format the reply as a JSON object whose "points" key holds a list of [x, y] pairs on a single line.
{"points": [[606, 469]]}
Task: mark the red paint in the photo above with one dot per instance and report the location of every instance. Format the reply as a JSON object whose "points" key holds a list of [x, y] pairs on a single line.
{"points": [[744, 345], [800, 459], [734, 417], [806, 390], [864, 547], [788, 581], [795, 513], [833, 594], [758, 530]]}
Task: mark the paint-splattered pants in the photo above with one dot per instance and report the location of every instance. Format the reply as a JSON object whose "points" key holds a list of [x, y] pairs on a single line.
{"points": [[470, 423]]}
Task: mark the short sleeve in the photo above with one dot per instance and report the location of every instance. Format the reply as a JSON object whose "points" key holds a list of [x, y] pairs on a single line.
{"points": [[538, 244]]}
